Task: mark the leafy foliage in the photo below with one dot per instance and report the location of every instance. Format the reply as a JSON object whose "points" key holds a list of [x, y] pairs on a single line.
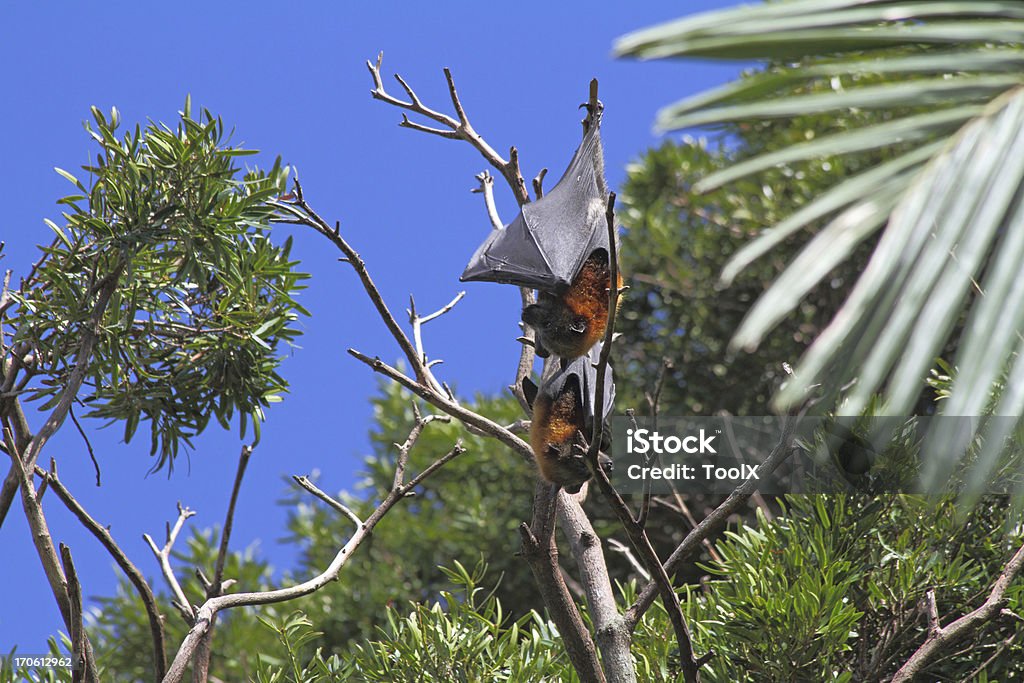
{"points": [[832, 591], [165, 256], [469, 640]]}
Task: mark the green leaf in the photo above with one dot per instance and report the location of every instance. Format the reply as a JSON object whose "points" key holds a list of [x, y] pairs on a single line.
{"points": [[903, 94], [60, 233], [849, 191], [907, 129]]}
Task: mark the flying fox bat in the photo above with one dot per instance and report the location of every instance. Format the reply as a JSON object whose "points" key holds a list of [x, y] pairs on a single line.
{"points": [[563, 420], [570, 323], [545, 247]]}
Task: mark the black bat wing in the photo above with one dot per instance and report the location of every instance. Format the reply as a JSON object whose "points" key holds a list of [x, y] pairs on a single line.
{"points": [[589, 384], [585, 372], [547, 243]]}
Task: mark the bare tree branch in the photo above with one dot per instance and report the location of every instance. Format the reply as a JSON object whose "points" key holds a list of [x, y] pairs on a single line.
{"points": [[538, 183], [216, 587], [52, 566], [163, 556], [942, 637], [541, 554], [229, 518], [79, 652], [103, 535], [209, 609], [457, 128], [454, 409], [486, 188], [417, 323], [88, 444], [304, 214], [307, 484], [624, 550]]}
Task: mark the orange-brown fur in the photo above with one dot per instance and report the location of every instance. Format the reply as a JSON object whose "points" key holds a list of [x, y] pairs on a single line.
{"points": [[556, 420], [570, 324]]}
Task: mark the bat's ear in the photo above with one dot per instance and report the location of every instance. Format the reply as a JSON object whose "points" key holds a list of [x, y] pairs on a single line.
{"points": [[529, 391]]}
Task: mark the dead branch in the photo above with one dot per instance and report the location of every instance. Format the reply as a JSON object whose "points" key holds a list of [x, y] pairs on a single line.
{"points": [[455, 128], [77, 629], [301, 213], [538, 183], [163, 556], [417, 323], [457, 411], [229, 518], [486, 188], [307, 484], [209, 609], [541, 554], [942, 637]]}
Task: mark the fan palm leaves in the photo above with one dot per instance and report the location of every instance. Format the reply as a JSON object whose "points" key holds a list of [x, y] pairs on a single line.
{"points": [[945, 81]]}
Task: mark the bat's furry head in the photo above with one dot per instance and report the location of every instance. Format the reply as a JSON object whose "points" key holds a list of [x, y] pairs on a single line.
{"points": [[570, 323]]}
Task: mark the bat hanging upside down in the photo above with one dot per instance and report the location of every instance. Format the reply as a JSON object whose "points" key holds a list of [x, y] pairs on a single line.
{"points": [[570, 323], [563, 417]]}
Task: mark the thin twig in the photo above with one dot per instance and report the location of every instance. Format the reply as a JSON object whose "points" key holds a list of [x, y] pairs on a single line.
{"points": [[457, 411], [538, 183], [486, 188], [417, 323], [229, 519], [307, 484], [653, 402], [88, 444], [163, 555], [457, 128], [298, 208], [4, 298], [623, 549], [406, 447]]}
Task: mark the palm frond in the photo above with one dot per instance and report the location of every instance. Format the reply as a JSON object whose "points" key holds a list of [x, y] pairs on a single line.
{"points": [[946, 81]]}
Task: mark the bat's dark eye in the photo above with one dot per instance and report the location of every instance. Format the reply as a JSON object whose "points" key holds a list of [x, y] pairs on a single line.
{"points": [[579, 325]]}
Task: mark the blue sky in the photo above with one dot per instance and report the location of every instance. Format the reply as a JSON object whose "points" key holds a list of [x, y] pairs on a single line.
{"points": [[293, 81]]}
